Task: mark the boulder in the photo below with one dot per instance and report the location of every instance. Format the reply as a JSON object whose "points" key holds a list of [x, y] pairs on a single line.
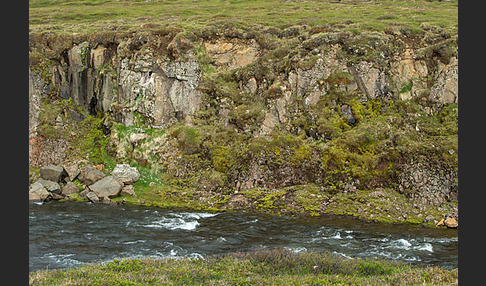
{"points": [[50, 186], [107, 201], [38, 193], [92, 197], [90, 175], [72, 172], [52, 173], [451, 222], [126, 174], [84, 193], [56, 196], [128, 190], [69, 188], [107, 187]]}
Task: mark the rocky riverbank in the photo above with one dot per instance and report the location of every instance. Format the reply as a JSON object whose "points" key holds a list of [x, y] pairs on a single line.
{"points": [[96, 184], [73, 182], [293, 120]]}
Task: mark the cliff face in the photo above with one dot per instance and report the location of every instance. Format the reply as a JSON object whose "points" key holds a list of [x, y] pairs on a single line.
{"points": [[299, 108]]}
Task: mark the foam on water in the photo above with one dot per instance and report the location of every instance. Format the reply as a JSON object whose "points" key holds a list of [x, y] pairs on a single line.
{"points": [[342, 254], [194, 215], [296, 249], [337, 235], [184, 221], [392, 255], [173, 224], [134, 242], [441, 239], [62, 259], [401, 244], [426, 247]]}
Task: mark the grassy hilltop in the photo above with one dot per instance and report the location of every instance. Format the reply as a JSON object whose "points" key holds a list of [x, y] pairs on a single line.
{"points": [[81, 16]]}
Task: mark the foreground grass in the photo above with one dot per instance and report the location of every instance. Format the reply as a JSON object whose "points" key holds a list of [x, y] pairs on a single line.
{"points": [[82, 16], [260, 267]]}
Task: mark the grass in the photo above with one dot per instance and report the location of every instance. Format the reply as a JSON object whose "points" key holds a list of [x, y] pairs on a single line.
{"points": [[258, 267], [82, 16]]}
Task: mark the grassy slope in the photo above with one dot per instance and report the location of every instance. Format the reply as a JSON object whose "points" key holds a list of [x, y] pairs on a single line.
{"points": [[86, 16], [261, 267]]}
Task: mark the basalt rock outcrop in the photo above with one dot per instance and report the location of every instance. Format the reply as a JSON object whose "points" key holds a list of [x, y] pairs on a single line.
{"points": [[137, 78], [233, 111]]}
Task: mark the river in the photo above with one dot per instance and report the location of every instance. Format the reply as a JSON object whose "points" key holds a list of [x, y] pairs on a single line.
{"points": [[65, 235]]}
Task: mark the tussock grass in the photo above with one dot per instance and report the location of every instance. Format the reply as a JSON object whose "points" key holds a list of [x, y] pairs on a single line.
{"points": [[258, 267]]}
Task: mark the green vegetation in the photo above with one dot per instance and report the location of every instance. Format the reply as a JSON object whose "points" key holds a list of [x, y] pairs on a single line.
{"points": [[86, 138], [81, 16], [259, 267], [315, 160]]}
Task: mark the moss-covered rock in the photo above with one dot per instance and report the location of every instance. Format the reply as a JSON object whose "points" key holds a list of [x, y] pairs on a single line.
{"points": [[294, 121]]}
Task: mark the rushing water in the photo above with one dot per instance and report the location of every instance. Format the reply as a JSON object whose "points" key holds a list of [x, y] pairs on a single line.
{"points": [[64, 235]]}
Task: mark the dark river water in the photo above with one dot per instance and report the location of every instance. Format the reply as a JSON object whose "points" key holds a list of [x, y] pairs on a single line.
{"points": [[65, 235]]}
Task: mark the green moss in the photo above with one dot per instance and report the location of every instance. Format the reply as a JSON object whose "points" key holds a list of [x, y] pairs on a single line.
{"points": [[252, 193], [75, 198], [34, 174], [222, 158], [309, 198], [271, 201], [384, 205], [188, 138]]}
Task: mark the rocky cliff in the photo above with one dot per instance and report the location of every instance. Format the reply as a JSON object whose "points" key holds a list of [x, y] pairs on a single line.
{"points": [[227, 109]]}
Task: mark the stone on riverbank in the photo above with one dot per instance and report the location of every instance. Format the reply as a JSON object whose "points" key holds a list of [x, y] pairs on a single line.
{"points": [[69, 188], [451, 222], [52, 173], [107, 201], [90, 175], [126, 174], [107, 187], [50, 186], [92, 197], [128, 190], [72, 172], [38, 193]]}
